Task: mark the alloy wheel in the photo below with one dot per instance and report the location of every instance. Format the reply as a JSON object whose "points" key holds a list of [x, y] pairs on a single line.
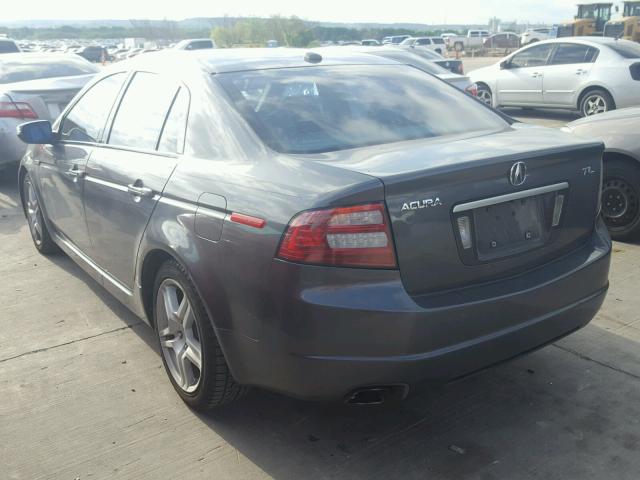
{"points": [[34, 215], [594, 104], [620, 206], [179, 335], [484, 96]]}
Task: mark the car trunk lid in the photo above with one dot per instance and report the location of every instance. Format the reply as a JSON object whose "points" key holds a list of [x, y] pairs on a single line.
{"points": [[48, 96], [430, 184]]}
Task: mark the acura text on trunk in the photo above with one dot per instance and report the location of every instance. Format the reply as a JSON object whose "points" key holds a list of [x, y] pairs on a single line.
{"points": [[335, 228]]}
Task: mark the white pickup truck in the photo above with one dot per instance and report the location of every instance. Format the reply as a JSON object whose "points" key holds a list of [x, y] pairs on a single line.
{"points": [[472, 41]]}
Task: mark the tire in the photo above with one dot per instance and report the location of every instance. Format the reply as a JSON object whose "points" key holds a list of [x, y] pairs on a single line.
{"points": [[485, 95], [621, 199], [37, 226], [186, 339], [596, 101]]}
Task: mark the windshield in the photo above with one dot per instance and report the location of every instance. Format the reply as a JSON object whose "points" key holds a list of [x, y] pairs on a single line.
{"points": [[632, 10], [626, 49], [322, 109], [24, 68], [595, 11]]}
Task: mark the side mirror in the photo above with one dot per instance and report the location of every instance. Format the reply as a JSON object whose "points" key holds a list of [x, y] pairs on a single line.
{"points": [[37, 133], [505, 65]]}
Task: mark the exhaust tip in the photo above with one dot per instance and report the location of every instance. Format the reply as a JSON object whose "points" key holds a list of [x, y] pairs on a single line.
{"points": [[377, 395]]}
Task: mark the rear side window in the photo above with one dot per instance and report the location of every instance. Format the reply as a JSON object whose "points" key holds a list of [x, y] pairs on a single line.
{"points": [[172, 139], [142, 112], [322, 109], [438, 41], [200, 44], [625, 48], [532, 57], [86, 120], [7, 46], [423, 41], [568, 53]]}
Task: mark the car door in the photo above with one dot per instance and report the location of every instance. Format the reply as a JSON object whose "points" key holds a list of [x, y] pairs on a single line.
{"points": [[61, 167], [569, 68], [520, 81], [126, 176]]}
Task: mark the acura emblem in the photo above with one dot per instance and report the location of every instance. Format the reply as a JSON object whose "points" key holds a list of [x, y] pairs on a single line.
{"points": [[518, 174]]}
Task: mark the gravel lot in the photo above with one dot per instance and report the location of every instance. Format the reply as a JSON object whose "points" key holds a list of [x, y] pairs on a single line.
{"points": [[85, 397]]}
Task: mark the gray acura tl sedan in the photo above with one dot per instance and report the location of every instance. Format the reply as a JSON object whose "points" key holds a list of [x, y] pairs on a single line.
{"points": [[337, 227]]}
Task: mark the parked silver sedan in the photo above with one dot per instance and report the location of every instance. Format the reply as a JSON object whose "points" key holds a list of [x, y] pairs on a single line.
{"points": [[35, 86], [621, 180], [590, 74]]}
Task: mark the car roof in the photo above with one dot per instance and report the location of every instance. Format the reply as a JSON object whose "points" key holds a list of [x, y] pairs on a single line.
{"points": [[592, 41], [239, 59]]}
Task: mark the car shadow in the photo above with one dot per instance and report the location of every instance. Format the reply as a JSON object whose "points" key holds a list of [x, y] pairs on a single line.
{"points": [[549, 414], [565, 116]]}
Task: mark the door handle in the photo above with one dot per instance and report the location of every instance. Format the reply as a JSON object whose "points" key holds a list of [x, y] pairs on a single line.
{"points": [[536, 74], [139, 190], [580, 71]]}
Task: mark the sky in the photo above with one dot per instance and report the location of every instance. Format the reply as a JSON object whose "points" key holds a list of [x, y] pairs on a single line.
{"points": [[382, 11]]}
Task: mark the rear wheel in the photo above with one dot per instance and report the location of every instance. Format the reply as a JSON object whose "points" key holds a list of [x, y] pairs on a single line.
{"points": [[190, 350], [39, 232], [621, 199], [485, 95], [595, 102]]}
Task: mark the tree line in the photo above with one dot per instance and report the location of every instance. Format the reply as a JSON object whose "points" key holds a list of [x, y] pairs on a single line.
{"points": [[288, 31], [294, 32]]}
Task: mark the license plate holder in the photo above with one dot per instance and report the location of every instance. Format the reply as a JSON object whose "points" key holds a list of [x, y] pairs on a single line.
{"points": [[511, 227]]}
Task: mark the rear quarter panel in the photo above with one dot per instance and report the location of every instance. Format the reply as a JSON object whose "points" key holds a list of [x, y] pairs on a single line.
{"points": [[226, 161]]}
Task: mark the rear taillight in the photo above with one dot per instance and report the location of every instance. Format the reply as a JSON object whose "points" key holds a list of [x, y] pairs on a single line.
{"points": [[17, 110], [635, 71], [472, 90], [357, 236]]}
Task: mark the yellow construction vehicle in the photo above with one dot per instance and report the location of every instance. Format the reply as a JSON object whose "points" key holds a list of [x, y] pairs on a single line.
{"points": [[590, 20], [627, 27]]}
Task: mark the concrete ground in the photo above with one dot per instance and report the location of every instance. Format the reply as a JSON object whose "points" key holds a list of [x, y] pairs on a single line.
{"points": [[84, 396]]}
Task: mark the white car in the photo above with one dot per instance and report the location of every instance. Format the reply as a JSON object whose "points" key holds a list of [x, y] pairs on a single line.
{"points": [[588, 74], [534, 35], [431, 43], [195, 44]]}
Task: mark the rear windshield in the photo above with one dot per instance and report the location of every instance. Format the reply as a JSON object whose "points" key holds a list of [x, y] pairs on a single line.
{"points": [[411, 59], [323, 109], [29, 68], [8, 47], [625, 49]]}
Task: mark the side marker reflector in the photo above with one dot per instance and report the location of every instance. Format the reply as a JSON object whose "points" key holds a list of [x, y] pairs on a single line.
{"points": [[248, 220]]}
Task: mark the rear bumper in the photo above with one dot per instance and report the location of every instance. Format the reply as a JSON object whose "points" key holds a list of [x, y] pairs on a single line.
{"points": [[324, 337]]}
